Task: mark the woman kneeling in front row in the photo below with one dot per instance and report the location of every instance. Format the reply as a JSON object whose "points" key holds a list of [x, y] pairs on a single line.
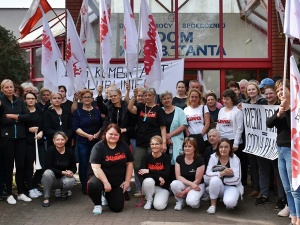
{"points": [[60, 168], [223, 176], [155, 171], [189, 170], [112, 165]]}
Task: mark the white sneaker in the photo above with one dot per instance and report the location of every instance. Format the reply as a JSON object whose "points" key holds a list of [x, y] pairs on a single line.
{"points": [[97, 210], [69, 193], [211, 209], [11, 200], [57, 193], [148, 205], [205, 197], [38, 192], [284, 212], [104, 201], [33, 194], [24, 198], [178, 206]]}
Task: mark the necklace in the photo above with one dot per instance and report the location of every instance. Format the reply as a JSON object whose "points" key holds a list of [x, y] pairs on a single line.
{"points": [[146, 114]]}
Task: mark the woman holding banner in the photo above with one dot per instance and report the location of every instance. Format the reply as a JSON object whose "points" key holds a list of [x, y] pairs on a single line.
{"points": [[282, 121], [34, 132], [265, 164], [253, 96]]}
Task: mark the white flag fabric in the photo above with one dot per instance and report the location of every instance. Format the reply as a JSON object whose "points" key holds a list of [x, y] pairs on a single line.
{"points": [[201, 81], [292, 18], [130, 38], [280, 10], [295, 122], [85, 23], [75, 58], [33, 15], [105, 35], [50, 55], [152, 47]]}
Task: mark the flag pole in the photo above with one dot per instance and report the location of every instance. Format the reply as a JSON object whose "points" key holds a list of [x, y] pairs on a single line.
{"points": [[285, 63], [58, 17]]}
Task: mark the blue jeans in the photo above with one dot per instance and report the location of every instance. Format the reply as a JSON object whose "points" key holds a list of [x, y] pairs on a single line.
{"points": [[84, 152], [285, 171]]}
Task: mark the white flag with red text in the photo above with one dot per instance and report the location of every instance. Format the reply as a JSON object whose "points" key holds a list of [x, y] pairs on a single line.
{"points": [[75, 58], [50, 55], [280, 9], [33, 15], [105, 34], [130, 37], [152, 47], [85, 23], [292, 18], [295, 122]]}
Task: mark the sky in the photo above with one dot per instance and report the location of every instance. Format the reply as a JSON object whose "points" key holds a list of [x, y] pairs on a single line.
{"points": [[27, 3]]}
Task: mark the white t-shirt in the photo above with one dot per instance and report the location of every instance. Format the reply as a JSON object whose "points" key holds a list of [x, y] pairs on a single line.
{"points": [[195, 119], [225, 124]]}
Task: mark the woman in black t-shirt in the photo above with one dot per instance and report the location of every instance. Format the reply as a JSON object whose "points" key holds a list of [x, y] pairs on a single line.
{"points": [[60, 168], [154, 171], [189, 170], [111, 162]]}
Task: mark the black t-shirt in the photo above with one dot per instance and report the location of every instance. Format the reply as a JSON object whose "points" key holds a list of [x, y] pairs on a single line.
{"points": [[189, 171], [214, 114], [113, 161], [179, 102], [148, 124], [158, 167], [169, 118], [60, 162]]}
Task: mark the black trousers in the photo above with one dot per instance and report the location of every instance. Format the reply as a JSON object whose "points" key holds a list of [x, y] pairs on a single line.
{"points": [[14, 151], [115, 198], [32, 180]]}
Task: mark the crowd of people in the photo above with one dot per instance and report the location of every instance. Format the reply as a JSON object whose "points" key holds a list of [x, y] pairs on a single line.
{"points": [[189, 145]]}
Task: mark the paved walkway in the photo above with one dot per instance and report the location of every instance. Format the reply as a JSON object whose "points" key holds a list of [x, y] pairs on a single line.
{"points": [[78, 210]]}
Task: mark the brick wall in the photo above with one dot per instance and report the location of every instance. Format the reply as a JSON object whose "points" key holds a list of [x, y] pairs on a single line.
{"points": [[278, 40], [74, 8]]}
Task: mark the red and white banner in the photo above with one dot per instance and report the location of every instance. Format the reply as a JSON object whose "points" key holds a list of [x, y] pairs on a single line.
{"points": [[33, 15], [295, 122], [85, 23], [50, 54], [292, 18], [152, 47], [130, 38], [280, 9], [75, 58], [105, 35]]}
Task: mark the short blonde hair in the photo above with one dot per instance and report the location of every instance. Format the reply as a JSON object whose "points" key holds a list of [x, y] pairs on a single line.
{"points": [[43, 89], [6, 81], [85, 91]]}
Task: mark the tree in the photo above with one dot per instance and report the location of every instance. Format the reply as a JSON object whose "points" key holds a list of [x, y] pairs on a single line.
{"points": [[12, 64]]}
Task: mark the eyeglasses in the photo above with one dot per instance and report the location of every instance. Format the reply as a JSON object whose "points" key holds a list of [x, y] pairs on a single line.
{"points": [[155, 144], [30, 99]]}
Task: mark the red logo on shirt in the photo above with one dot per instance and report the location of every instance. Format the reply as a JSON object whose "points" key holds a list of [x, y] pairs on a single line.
{"points": [[116, 157], [223, 121], [157, 166], [150, 115], [193, 118]]}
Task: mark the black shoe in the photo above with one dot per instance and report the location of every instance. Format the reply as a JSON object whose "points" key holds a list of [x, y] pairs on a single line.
{"points": [[127, 198], [4, 194], [262, 200], [46, 202], [280, 204], [64, 196], [84, 192], [1, 198]]}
